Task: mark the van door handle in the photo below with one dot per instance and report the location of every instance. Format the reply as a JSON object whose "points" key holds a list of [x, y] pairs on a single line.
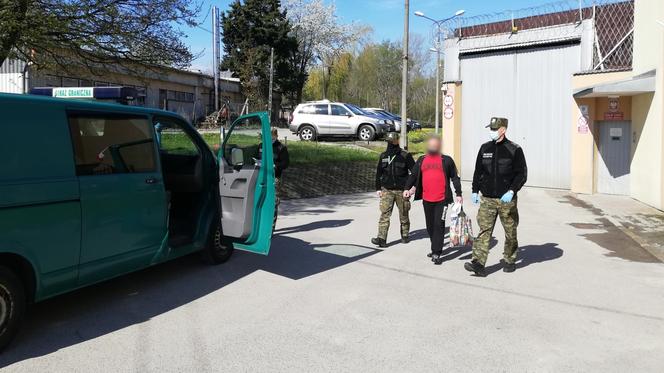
{"points": [[151, 180]]}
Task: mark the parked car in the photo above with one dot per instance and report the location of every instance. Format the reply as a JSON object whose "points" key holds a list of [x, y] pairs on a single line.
{"points": [[392, 124], [312, 120], [90, 191], [412, 125]]}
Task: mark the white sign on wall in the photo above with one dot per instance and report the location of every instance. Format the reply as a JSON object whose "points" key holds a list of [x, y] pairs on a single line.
{"points": [[448, 113], [583, 126]]}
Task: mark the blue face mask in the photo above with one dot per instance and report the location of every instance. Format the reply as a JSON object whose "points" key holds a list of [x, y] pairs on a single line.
{"points": [[494, 135]]}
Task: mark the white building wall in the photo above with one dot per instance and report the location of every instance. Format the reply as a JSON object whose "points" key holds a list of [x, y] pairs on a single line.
{"points": [[647, 171], [11, 76]]}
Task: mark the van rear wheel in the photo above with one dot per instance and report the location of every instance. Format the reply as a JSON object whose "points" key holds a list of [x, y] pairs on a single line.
{"points": [[12, 305], [219, 249]]}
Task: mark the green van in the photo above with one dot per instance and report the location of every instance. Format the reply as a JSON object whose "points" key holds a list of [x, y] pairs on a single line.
{"points": [[90, 191]]}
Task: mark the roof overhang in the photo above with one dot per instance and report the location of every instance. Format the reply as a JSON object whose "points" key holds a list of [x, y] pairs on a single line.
{"points": [[640, 84]]}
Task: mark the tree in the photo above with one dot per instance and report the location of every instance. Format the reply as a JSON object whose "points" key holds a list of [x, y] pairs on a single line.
{"points": [[320, 36], [95, 34], [250, 29], [372, 77]]}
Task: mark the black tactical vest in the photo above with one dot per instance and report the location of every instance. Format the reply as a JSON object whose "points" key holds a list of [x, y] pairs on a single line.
{"points": [[395, 170]]}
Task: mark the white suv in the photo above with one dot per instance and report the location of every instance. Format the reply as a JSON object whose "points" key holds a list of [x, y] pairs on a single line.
{"points": [[311, 120]]}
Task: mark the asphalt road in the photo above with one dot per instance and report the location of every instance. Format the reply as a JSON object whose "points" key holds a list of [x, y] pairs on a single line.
{"points": [[585, 298]]}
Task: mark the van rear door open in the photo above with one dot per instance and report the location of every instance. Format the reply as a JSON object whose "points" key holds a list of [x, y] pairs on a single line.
{"points": [[246, 183]]}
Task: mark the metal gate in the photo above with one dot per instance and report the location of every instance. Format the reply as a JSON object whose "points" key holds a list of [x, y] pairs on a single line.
{"points": [[613, 163], [532, 88]]}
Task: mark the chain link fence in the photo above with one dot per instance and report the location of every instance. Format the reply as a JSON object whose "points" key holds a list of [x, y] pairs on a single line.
{"points": [[613, 20]]}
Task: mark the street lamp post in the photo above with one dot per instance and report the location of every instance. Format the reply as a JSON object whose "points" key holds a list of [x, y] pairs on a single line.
{"points": [[438, 24], [437, 50], [404, 80]]}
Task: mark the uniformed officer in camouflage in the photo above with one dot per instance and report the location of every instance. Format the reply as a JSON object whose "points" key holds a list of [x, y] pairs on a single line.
{"points": [[392, 173], [500, 172]]}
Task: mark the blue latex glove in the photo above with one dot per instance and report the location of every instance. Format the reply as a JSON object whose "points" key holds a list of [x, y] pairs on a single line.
{"points": [[475, 198], [507, 197]]}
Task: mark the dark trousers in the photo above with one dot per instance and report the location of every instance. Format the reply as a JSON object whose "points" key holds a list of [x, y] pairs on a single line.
{"points": [[433, 214]]}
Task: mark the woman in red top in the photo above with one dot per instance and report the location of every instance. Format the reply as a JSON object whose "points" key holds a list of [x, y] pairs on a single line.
{"points": [[430, 181]]}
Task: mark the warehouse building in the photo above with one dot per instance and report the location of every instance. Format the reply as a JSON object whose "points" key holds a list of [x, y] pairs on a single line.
{"points": [[188, 93], [581, 88]]}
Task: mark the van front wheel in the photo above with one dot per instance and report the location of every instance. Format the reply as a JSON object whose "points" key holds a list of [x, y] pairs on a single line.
{"points": [[219, 249], [12, 305]]}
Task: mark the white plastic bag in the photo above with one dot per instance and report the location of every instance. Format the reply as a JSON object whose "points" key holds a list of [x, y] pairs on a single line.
{"points": [[461, 227]]}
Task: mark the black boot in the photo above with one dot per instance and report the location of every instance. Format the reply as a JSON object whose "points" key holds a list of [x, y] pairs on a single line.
{"points": [[475, 266], [437, 259], [379, 242], [405, 239], [508, 267]]}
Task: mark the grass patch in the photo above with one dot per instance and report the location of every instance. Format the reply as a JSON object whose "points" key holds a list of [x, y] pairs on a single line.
{"points": [[416, 142], [305, 152]]}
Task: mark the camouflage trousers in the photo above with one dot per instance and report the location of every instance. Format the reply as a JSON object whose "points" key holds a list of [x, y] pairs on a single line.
{"points": [[490, 209], [388, 199], [277, 200]]}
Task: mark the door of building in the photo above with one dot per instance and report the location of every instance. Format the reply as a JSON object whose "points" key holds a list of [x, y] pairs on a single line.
{"points": [[614, 159]]}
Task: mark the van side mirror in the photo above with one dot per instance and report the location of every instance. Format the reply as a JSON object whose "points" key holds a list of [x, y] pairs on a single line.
{"points": [[237, 157]]}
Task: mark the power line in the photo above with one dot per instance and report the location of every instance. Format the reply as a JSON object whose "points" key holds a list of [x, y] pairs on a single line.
{"points": [[207, 15], [204, 29]]}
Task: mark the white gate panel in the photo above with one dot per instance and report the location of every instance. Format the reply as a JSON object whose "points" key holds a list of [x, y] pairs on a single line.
{"points": [[486, 92], [532, 88]]}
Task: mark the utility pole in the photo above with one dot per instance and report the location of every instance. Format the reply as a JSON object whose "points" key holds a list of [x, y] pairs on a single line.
{"points": [[269, 94], [215, 53], [404, 80]]}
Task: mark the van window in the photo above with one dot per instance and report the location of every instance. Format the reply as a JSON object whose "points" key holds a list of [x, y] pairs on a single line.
{"points": [[112, 144], [172, 139], [249, 143]]}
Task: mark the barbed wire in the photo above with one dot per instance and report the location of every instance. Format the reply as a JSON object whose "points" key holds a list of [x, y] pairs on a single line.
{"points": [[613, 22]]}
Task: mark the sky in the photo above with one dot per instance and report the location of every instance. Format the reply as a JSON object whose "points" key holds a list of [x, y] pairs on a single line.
{"points": [[384, 16]]}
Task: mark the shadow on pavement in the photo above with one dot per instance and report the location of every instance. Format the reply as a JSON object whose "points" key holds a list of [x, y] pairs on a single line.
{"points": [[132, 299], [531, 254], [422, 234], [314, 226]]}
